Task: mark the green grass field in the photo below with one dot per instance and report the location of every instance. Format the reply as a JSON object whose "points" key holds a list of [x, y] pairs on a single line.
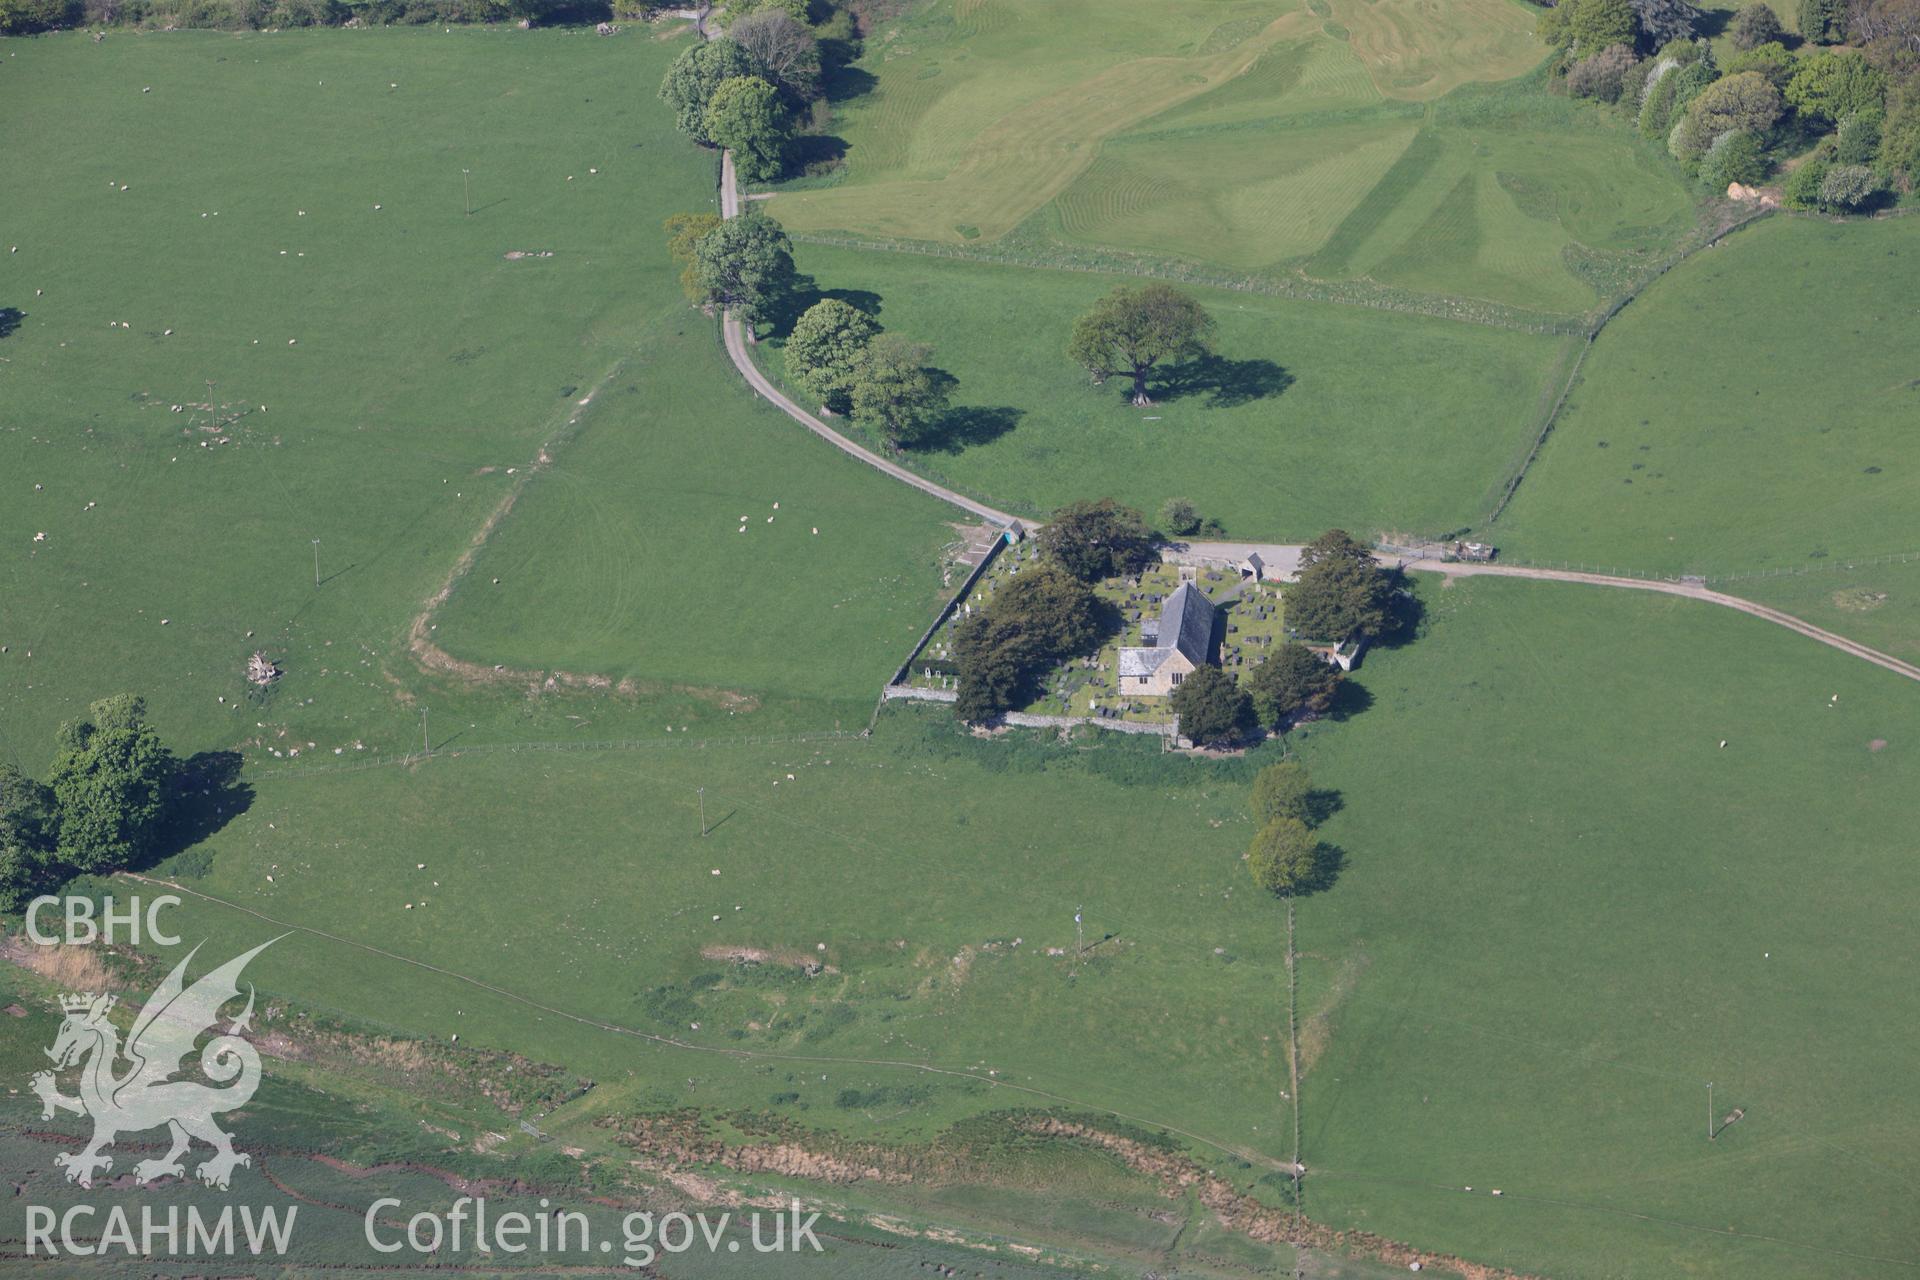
{"points": [[1781, 436], [1567, 908], [1329, 415], [427, 374], [1351, 145], [1562, 906], [1540, 946], [1875, 603]]}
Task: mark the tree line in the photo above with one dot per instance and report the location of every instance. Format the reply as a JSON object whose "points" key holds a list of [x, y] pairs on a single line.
{"points": [[760, 87], [841, 357], [1851, 113]]}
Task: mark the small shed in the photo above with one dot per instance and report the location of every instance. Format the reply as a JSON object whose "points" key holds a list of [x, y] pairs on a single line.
{"points": [[1475, 551], [1254, 566]]}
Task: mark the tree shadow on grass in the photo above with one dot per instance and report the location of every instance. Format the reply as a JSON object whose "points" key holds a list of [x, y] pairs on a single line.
{"points": [[10, 318], [840, 79], [1323, 803], [1350, 698], [208, 794], [1708, 23], [806, 291], [815, 153], [1409, 614], [1329, 860], [864, 301], [969, 425], [1226, 383]]}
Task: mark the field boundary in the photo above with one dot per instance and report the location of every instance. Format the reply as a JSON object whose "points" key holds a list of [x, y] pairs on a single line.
{"points": [[993, 551], [1599, 323], [1829, 565], [1029, 719], [1367, 294]]}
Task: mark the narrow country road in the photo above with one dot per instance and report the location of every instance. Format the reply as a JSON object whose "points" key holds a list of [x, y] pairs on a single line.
{"points": [[1281, 556], [737, 349], [1690, 590]]}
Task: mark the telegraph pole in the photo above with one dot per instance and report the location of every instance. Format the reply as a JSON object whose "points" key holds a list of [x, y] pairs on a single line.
{"points": [[1079, 934], [702, 793], [1710, 1133], [316, 564], [466, 185], [426, 741]]}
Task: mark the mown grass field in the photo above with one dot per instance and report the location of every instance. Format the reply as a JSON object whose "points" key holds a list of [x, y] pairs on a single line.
{"points": [[1753, 409], [1541, 945], [426, 374], [1351, 144], [1323, 416]]}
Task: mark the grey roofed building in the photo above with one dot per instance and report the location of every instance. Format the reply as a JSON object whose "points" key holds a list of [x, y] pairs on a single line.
{"points": [[1182, 644], [1186, 623], [1142, 662]]}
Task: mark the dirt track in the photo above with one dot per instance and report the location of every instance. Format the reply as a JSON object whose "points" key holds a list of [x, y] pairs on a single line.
{"points": [[1691, 590], [737, 351]]}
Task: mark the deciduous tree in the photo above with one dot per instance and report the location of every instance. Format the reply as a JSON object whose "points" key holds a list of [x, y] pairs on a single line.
{"points": [[1587, 26], [1282, 790], [26, 838], [1755, 25], [1133, 330], [1848, 186], [699, 70], [1662, 21], [1283, 857], [745, 117], [826, 347], [1746, 102], [895, 393], [1179, 517], [1833, 84], [746, 263], [1601, 75], [1771, 60], [685, 231], [782, 44], [110, 782], [1213, 709]]}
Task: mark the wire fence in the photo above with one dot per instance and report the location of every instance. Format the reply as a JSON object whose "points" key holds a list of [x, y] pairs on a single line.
{"points": [[1829, 564]]}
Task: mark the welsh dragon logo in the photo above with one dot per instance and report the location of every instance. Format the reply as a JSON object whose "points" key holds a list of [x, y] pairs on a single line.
{"points": [[145, 1095]]}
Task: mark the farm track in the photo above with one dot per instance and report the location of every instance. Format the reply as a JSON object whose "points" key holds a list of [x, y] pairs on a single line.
{"points": [[1689, 590], [736, 340], [742, 361]]}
